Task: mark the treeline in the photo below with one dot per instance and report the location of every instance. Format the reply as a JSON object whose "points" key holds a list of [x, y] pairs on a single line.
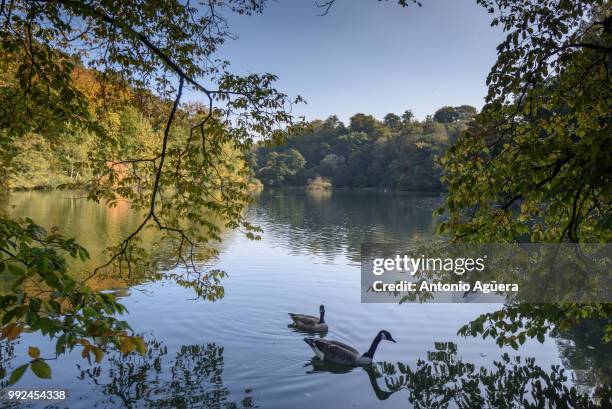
{"points": [[398, 152], [131, 122]]}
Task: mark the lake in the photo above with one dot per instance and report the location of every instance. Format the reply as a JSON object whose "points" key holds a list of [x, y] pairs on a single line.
{"points": [[239, 351]]}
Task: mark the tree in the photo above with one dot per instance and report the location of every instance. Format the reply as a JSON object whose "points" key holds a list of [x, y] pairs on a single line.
{"points": [[407, 117], [449, 114], [281, 166], [445, 115], [366, 124], [536, 162], [392, 120], [332, 162], [401, 157], [193, 171], [466, 112]]}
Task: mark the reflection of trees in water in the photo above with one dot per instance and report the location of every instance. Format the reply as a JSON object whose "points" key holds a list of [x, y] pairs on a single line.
{"points": [[582, 349], [7, 353], [7, 365], [343, 221], [443, 380], [194, 379], [96, 225], [99, 226]]}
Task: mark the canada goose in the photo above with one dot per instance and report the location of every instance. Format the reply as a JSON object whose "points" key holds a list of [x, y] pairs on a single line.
{"points": [[340, 353], [309, 322]]}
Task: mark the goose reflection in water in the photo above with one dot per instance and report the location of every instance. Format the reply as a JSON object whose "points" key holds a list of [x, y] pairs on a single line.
{"points": [[320, 366], [308, 332]]}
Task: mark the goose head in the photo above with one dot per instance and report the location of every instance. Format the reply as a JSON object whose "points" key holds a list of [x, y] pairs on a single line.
{"points": [[383, 335], [321, 314], [386, 336]]}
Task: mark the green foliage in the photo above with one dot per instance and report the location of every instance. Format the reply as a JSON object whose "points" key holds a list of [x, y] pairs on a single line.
{"points": [[41, 369], [41, 163], [46, 298], [451, 114], [281, 166], [535, 163], [398, 153], [117, 128], [513, 324]]}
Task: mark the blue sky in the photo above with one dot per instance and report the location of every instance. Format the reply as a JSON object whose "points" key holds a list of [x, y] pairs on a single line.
{"points": [[369, 56]]}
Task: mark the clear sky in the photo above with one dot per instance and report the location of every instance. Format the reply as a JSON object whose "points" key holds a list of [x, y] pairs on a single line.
{"points": [[369, 56]]}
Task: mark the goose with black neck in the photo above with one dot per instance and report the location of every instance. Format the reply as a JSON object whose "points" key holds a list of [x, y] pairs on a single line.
{"points": [[340, 353]]}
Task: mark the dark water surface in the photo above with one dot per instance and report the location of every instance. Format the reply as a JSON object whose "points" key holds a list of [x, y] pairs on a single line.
{"points": [[240, 352]]}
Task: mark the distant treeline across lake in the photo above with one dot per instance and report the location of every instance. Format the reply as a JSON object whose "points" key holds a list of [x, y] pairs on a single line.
{"points": [[398, 152]]}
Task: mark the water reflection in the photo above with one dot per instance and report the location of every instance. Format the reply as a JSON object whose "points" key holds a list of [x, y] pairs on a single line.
{"points": [[339, 222], [98, 227], [322, 223], [310, 333], [282, 272], [192, 379], [582, 349], [319, 365], [444, 380], [7, 353]]}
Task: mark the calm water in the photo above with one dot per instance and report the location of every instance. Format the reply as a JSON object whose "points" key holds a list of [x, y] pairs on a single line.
{"points": [[240, 352]]}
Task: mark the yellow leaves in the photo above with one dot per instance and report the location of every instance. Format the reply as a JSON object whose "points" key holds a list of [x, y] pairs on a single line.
{"points": [[89, 349], [524, 214], [11, 331], [113, 122], [139, 345], [126, 345], [98, 353], [565, 325], [33, 352], [129, 344], [89, 84]]}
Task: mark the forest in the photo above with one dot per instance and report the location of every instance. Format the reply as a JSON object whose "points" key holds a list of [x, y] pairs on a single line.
{"points": [[398, 153], [126, 122]]}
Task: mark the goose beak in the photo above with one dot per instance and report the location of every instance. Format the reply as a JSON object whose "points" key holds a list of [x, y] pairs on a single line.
{"points": [[392, 340]]}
